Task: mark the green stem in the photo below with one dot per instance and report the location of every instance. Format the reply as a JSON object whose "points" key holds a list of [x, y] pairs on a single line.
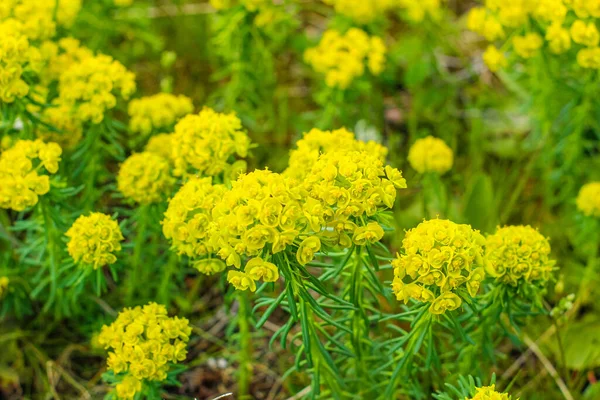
{"points": [[169, 271], [51, 246], [137, 272], [358, 322], [245, 367]]}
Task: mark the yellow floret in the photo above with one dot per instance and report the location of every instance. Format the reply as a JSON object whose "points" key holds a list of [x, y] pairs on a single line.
{"points": [[145, 178], [94, 240], [431, 155], [588, 199]]}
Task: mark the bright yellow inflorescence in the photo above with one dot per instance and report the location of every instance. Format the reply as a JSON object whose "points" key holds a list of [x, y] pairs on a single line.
{"points": [[588, 199], [40, 18], [161, 145], [158, 112], [430, 155], [440, 263], [417, 11], [518, 254], [317, 142], [206, 143], [21, 172], [489, 393], [94, 239], [59, 117], [145, 178], [343, 58], [560, 25], [187, 221], [91, 87], [145, 342], [266, 213], [17, 57], [60, 56]]}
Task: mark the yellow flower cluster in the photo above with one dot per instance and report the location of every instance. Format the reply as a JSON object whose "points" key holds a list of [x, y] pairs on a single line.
{"points": [[16, 57], [430, 154], [123, 3], [21, 175], [317, 142], [362, 12], [206, 143], [59, 117], [417, 10], [4, 282], [93, 239], [489, 393], [563, 24], [145, 341], [440, 260], [60, 56], [157, 112], [344, 57], [187, 221], [588, 199], [40, 18], [518, 254], [91, 86], [145, 178], [161, 145]]}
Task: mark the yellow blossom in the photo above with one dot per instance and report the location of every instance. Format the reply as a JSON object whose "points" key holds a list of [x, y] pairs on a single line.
{"points": [[158, 112], [494, 58], [526, 46], [241, 280], [489, 393], [585, 34], [431, 155], [94, 239], [145, 178], [588, 199]]}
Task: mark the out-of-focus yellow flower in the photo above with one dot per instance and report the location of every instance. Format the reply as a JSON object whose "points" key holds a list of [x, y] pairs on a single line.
{"points": [[489, 393], [518, 254], [527, 45], [40, 18], [21, 177], [588, 199], [344, 57], [94, 239], [585, 34], [17, 57], [70, 130], [558, 38], [145, 178], [145, 343], [207, 142], [589, 58], [123, 3], [430, 154], [494, 58], [158, 112], [60, 56], [362, 12], [315, 142], [161, 145], [4, 282], [91, 87], [416, 11], [441, 261]]}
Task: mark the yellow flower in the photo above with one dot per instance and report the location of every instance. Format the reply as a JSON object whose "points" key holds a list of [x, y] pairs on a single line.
{"points": [[362, 12], [585, 34], [161, 145], [259, 269], [430, 155], [440, 261], [518, 254], [344, 57], [589, 58], [308, 248], [145, 343], [526, 46], [145, 178], [418, 10], [315, 142], [370, 233], [559, 38], [158, 112], [21, 168], [241, 280], [489, 393], [58, 116], [588, 199], [91, 87], [494, 58], [209, 266], [207, 142], [94, 239], [188, 217], [60, 56], [4, 282]]}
